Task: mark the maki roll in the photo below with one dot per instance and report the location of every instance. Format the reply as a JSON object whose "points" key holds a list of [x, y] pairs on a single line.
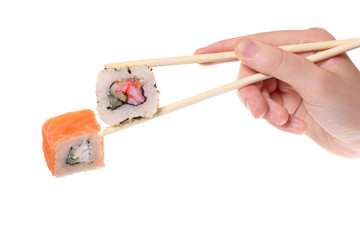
{"points": [[125, 94], [71, 143]]}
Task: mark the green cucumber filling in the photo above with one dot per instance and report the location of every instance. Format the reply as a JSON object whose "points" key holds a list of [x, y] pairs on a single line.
{"points": [[117, 101], [79, 154]]}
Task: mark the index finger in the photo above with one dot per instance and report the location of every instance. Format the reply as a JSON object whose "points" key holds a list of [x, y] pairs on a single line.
{"points": [[276, 38]]}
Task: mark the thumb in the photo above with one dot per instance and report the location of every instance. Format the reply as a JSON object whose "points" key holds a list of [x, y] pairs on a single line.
{"points": [[293, 69]]}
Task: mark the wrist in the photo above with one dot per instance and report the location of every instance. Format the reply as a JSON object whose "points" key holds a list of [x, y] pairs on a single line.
{"points": [[348, 149]]}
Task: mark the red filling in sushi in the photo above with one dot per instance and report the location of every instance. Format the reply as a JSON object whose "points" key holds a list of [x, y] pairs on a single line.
{"points": [[129, 91]]}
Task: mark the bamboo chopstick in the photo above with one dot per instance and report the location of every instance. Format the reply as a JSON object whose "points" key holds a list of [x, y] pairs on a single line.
{"points": [[224, 56], [228, 87]]}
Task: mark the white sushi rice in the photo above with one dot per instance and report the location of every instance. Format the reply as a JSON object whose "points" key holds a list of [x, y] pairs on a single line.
{"points": [[127, 111], [94, 154]]}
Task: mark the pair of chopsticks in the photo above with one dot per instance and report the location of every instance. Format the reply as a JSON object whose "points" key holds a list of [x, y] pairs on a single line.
{"points": [[331, 49]]}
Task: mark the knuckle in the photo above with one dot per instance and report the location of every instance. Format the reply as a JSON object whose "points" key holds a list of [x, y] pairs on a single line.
{"points": [[276, 62], [321, 34], [246, 92]]}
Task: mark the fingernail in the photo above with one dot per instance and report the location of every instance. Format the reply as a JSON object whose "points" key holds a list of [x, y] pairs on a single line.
{"points": [[277, 117], [198, 51], [297, 126], [251, 106], [246, 48]]}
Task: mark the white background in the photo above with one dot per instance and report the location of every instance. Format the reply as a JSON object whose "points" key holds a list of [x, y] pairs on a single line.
{"points": [[209, 171]]}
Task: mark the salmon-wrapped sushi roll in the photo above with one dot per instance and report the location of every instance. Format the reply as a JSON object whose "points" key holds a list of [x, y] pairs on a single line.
{"points": [[71, 143], [125, 94]]}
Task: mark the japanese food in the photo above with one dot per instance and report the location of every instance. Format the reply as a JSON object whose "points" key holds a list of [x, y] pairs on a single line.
{"points": [[71, 143], [126, 94]]}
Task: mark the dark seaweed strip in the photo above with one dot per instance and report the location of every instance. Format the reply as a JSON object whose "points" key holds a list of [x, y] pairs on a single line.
{"points": [[143, 93], [124, 121], [70, 160], [89, 148]]}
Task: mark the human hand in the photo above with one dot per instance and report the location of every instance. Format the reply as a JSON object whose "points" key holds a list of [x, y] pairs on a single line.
{"points": [[320, 99]]}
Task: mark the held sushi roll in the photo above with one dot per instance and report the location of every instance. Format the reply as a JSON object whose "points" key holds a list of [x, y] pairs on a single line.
{"points": [[71, 143], [126, 94]]}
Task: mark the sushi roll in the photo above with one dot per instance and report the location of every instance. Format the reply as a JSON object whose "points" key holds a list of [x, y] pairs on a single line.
{"points": [[71, 143], [125, 94]]}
